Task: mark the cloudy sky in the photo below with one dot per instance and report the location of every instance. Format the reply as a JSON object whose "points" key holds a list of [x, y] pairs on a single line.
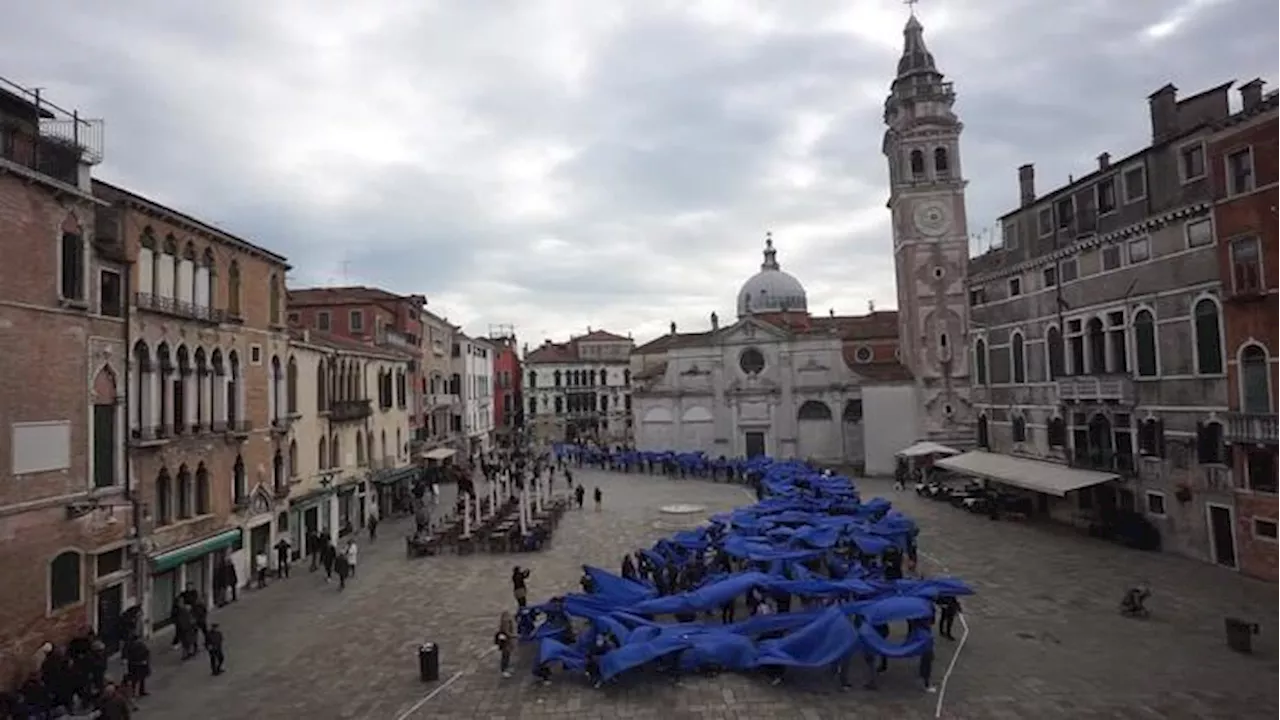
{"points": [[559, 164]]}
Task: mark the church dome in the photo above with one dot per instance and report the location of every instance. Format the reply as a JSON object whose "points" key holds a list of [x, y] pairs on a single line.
{"points": [[771, 290]]}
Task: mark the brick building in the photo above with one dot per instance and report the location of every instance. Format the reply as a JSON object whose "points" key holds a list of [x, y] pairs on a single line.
{"points": [[208, 357], [65, 503], [508, 405], [1241, 157], [375, 317]]}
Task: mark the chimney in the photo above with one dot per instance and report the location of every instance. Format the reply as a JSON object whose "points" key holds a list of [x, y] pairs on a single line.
{"points": [[673, 327], [1027, 185], [715, 321], [1104, 161], [1251, 94], [588, 329], [1164, 113]]}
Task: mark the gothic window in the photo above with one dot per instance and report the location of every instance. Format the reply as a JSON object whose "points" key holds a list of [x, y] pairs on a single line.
{"points": [[1057, 432], [980, 361], [322, 387], [557, 377], [1019, 359], [751, 361], [1144, 343], [233, 289], [604, 377], [533, 379], [164, 499], [291, 385], [1097, 337], [185, 493], [322, 455], [940, 162], [1151, 437], [917, 165], [274, 299], [202, 490], [559, 405], [1019, 429], [984, 432], [1053, 346], [1255, 380], [1208, 338], [533, 406], [239, 480]]}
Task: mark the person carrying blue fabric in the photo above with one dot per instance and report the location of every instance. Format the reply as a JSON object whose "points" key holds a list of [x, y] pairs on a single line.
{"points": [[926, 658], [949, 606], [628, 567]]}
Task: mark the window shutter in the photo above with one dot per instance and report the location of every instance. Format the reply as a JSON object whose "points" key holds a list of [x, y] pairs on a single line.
{"points": [[1159, 438], [1204, 452]]}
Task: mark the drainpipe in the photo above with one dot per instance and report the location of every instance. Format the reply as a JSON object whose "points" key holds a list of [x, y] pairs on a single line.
{"points": [[135, 502]]}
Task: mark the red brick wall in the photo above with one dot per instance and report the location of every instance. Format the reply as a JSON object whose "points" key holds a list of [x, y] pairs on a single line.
{"points": [[51, 355], [1250, 319], [1256, 557], [506, 361]]}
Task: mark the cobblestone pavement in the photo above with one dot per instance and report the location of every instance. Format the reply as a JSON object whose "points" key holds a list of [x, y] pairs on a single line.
{"points": [[1045, 640]]}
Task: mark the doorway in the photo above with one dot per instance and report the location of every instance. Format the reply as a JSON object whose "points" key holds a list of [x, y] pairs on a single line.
{"points": [[311, 519], [110, 606], [755, 444], [1222, 536]]}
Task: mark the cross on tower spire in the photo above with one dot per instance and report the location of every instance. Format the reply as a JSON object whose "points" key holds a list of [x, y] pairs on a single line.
{"points": [[911, 5], [770, 255]]}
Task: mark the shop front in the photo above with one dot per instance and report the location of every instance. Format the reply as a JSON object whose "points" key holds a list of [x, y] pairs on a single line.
{"points": [[189, 565], [393, 491], [310, 513]]}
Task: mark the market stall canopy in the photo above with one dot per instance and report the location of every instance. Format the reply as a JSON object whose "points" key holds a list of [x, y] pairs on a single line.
{"points": [[921, 449], [1036, 475], [440, 454]]}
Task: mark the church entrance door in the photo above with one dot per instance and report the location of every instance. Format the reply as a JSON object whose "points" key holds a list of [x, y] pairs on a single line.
{"points": [[755, 444]]}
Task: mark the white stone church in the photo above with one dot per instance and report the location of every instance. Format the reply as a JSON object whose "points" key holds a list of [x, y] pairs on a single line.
{"points": [[837, 389]]}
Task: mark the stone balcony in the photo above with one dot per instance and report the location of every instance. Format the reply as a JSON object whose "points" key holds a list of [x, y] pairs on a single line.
{"points": [[348, 410], [1254, 428], [1113, 388]]}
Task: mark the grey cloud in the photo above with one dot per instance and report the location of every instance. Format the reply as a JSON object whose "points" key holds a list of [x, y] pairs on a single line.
{"points": [[672, 116]]}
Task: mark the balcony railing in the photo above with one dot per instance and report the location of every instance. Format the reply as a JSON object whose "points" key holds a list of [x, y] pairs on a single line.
{"points": [[238, 427], [1096, 388], [1256, 428], [178, 308], [347, 410], [49, 140]]}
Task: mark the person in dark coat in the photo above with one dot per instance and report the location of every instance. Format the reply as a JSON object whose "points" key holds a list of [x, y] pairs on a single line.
{"points": [[342, 567], [55, 675], [113, 705], [184, 629], [628, 567], [373, 527], [213, 643], [137, 659], [327, 556], [313, 548], [282, 558], [579, 494]]}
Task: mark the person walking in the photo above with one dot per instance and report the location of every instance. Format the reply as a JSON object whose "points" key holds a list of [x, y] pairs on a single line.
{"points": [[282, 558], [213, 644], [519, 588], [327, 556], [137, 659], [260, 568], [343, 569], [505, 640], [599, 496], [312, 546], [352, 553], [373, 527]]}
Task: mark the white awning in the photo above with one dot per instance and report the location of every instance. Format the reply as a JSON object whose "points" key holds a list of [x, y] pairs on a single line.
{"points": [[441, 453], [1037, 475], [925, 447]]}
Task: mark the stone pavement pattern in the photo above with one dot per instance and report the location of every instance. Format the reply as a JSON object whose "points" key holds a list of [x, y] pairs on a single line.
{"points": [[1045, 641]]}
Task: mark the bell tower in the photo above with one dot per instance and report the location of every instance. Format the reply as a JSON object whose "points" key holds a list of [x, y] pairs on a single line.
{"points": [[930, 238]]}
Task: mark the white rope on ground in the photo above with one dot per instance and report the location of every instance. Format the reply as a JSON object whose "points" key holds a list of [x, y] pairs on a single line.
{"points": [[444, 685], [964, 624]]}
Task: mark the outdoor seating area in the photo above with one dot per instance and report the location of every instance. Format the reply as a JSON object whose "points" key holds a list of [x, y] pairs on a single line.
{"points": [[509, 517]]}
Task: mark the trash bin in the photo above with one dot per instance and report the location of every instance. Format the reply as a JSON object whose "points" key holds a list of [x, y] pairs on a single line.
{"points": [[1240, 634], [429, 662]]}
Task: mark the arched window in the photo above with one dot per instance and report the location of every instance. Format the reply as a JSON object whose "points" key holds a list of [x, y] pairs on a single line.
{"points": [[359, 448], [984, 432], [1019, 359], [557, 377], [1144, 343], [202, 490], [164, 499], [1019, 429], [533, 379], [1054, 348], [291, 386], [335, 452], [239, 480], [980, 361], [604, 376], [917, 164], [559, 405], [233, 390], [533, 406], [65, 579], [277, 470], [1097, 337], [941, 162], [322, 456], [1208, 338], [1057, 432], [1255, 380], [186, 493], [233, 289], [626, 378]]}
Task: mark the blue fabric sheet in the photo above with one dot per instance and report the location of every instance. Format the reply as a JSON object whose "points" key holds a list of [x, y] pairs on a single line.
{"points": [[811, 538]]}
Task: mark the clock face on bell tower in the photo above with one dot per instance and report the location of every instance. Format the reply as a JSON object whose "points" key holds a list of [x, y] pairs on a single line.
{"points": [[931, 243]]}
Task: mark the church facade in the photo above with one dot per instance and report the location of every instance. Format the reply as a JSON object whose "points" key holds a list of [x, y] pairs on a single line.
{"points": [[778, 382]]}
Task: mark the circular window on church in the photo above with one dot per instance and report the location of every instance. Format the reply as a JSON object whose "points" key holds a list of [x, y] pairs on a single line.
{"points": [[948, 410], [751, 361], [939, 271], [863, 354]]}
